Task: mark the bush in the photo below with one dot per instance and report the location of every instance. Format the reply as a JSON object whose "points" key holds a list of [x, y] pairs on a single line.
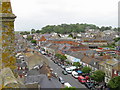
{"points": [[33, 41]]}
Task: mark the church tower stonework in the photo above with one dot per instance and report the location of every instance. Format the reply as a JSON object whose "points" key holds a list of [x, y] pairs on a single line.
{"points": [[7, 35]]}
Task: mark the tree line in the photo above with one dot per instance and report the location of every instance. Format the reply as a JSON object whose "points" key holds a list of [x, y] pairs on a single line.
{"points": [[68, 28]]}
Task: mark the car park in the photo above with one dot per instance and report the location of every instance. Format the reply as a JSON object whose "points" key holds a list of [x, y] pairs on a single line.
{"points": [[61, 80], [64, 72]]}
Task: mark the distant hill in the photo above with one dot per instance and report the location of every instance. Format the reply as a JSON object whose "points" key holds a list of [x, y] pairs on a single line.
{"points": [[68, 28]]}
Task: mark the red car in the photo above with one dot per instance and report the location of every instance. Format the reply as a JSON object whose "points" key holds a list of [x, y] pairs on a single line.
{"points": [[81, 79]]}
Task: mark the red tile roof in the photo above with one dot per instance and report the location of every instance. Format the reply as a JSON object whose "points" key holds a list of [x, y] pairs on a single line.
{"points": [[42, 39]]}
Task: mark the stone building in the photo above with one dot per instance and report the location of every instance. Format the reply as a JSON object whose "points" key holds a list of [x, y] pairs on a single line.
{"points": [[7, 35]]}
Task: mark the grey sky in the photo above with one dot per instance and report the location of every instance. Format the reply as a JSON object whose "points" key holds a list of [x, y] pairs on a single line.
{"points": [[39, 13]]}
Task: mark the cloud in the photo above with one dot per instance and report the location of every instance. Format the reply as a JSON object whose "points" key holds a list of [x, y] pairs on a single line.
{"points": [[38, 13]]}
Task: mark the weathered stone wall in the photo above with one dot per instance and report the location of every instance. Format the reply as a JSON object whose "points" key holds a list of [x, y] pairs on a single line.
{"points": [[7, 36]]}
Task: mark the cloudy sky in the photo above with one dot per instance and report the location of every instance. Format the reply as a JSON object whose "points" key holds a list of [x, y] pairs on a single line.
{"points": [[39, 13]]}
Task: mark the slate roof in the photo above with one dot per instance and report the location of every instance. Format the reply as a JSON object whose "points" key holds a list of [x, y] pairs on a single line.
{"points": [[53, 46], [61, 46], [33, 72], [94, 63], [117, 67], [24, 64], [102, 63], [43, 81], [35, 60], [76, 54], [86, 59], [112, 62]]}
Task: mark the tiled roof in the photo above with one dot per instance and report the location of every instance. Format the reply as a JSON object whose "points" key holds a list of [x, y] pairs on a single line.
{"points": [[42, 39]]}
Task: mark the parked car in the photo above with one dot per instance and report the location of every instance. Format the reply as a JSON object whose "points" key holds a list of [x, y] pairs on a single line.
{"points": [[68, 70], [59, 64], [81, 79], [61, 80], [75, 74], [72, 67], [55, 62], [36, 67], [62, 66], [64, 72], [79, 72], [67, 84]]}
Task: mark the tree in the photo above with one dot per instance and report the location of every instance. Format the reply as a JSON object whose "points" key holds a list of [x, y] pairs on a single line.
{"points": [[101, 54], [58, 55], [114, 83], [67, 28], [33, 41], [70, 35], [69, 88], [38, 31], [117, 39], [32, 31], [98, 76], [61, 57], [24, 33], [77, 64], [29, 38], [86, 69]]}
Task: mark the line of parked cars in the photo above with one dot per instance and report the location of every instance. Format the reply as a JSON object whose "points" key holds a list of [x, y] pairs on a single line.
{"points": [[76, 73]]}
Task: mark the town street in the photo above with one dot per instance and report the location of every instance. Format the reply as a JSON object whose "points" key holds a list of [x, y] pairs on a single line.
{"points": [[67, 78]]}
